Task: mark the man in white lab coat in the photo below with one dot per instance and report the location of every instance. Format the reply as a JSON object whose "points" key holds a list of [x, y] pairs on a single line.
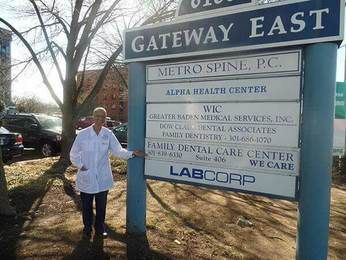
{"points": [[90, 154]]}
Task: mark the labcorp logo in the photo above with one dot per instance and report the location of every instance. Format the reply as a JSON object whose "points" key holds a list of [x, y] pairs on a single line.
{"points": [[211, 176]]}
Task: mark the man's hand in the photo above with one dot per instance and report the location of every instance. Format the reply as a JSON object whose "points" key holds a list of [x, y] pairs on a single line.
{"points": [[83, 169], [139, 153]]}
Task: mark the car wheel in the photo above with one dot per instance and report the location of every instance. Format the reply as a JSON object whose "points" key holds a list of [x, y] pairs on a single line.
{"points": [[47, 150]]}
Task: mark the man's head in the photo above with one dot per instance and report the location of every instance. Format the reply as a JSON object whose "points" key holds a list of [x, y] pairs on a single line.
{"points": [[99, 115]]}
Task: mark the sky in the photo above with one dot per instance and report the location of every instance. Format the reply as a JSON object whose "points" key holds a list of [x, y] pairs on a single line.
{"points": [[30, 83]]}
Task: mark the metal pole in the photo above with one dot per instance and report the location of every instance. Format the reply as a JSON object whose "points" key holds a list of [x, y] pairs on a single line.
{"points": [[136, 184], [316, 152]]}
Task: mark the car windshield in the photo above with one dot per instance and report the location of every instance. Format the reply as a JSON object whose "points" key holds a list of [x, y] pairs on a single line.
{"points": [[49, 122], [4, 130]]}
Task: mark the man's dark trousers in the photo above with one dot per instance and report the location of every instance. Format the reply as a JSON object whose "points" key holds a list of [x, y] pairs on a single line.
{"points": [[87, 211]]}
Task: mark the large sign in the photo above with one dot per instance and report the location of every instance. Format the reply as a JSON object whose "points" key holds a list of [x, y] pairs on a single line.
{"points": [[222, 114], [231, 123], [261, 26]]}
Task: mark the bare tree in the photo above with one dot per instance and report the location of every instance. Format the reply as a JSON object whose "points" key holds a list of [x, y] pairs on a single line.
{"points": [[71, 35], [32, 104]]}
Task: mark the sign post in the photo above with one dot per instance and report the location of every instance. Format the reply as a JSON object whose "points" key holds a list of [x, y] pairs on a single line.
{"points": [[136, 185], [212, 110], [317, 147]]}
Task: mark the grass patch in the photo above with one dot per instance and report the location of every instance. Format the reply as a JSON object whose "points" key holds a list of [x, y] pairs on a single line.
{"points": [[183, 222], [118, 166]]}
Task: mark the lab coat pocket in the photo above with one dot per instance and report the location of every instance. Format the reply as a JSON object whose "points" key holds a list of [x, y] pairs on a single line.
{"points": [[87, 154], [84, 178]]}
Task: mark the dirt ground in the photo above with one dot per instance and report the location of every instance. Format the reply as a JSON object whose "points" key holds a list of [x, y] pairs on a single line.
{"points": [[183, 222]]}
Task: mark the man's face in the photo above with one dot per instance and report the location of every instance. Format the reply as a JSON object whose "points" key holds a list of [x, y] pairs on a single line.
{"points": [[99, 118]]}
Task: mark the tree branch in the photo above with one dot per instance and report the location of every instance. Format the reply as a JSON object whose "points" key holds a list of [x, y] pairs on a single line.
{"points": [[36, 61], [38, 26], [83, 42], [61, 50], [99, 83], [57, 17], [101, 78], [121, 77], [81, 83], [74, 29], [48, 42], [89, 32]]}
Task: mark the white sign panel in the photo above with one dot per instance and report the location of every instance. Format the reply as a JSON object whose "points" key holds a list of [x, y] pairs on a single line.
{"points": [[252, 158], [260, 89], [265, 124], [279, 185], [288, 62], [339, 137]]}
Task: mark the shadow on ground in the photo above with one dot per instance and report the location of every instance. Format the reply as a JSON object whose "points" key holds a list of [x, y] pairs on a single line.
{"points": [[183, 222], [27, 199]]}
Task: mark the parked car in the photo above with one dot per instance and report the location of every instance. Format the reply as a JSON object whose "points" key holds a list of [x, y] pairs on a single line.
{"points": [[11, 144], [39, 131], [110, 123], [84, 122], [120, 132]]}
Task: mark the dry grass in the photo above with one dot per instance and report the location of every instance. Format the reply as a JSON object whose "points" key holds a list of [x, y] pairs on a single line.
{"points": [[183, 222]]}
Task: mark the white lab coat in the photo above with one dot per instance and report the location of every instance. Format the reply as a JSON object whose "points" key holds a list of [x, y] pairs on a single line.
{"points": [[92, 151]]}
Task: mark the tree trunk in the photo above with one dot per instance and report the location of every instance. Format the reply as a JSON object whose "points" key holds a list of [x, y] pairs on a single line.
{"points": [[68, 120], [5, 207], [68, 134]]}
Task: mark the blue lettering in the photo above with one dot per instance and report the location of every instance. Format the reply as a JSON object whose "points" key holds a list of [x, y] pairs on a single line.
{"points": [[185, 171], [197, 174], [236, 177], [171, 171], [219, 177], [248, 179], [206, 173], [212, 109], [212, 176], [257, 163]]}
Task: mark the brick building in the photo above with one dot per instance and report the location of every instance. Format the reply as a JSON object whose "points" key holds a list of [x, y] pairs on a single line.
{"points": [[5, 66], [113, 95]]}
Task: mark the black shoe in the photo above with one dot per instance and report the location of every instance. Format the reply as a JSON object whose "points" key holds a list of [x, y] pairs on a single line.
{"points": [[102, 235]]}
